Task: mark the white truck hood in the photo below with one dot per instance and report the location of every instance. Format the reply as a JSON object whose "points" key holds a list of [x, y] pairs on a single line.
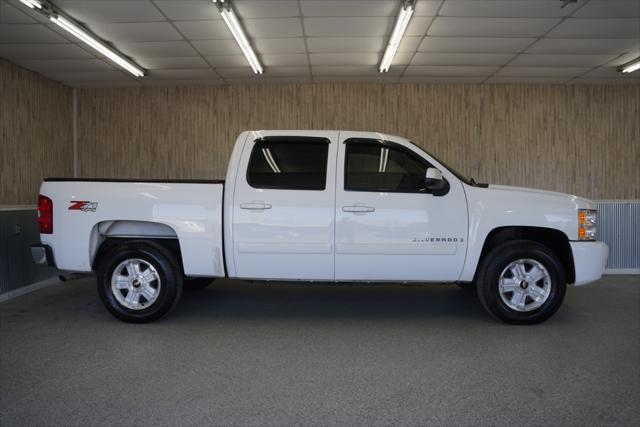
{"points": [[519, 193]]}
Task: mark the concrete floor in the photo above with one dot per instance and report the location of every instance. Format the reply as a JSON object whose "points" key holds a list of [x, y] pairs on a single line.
{"points": [[255, 354]]}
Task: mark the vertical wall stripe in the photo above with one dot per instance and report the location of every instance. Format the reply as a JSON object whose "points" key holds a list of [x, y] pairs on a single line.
{"points": [[619, 228], [75, 133]]}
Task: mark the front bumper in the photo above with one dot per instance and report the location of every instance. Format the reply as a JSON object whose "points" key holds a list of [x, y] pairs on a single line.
{"points": [[589, 260], [43, 255]]}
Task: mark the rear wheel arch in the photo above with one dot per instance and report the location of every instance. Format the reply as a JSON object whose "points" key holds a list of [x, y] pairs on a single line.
{"points": [[553, 239]]}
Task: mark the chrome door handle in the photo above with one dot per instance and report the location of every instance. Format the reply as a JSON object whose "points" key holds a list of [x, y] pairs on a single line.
{"points": [[256, 206], [358, 208]]}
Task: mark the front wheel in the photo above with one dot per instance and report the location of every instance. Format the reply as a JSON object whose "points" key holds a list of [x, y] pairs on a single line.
{"points": [[139, 281], [521, 282]]}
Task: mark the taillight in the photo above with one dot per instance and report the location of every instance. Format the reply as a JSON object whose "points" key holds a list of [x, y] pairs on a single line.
{"points": [[45, 214]]}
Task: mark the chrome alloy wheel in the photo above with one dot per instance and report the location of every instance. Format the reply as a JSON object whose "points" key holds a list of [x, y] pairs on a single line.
{"points": [[525, 284], [135, 283]]}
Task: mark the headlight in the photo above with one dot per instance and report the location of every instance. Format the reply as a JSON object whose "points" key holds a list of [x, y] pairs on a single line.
{"points": [[587, 224]]}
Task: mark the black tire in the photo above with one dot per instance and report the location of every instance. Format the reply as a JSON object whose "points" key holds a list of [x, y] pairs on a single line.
{"points": [[196, 283], [169, 285], [498, 259]]}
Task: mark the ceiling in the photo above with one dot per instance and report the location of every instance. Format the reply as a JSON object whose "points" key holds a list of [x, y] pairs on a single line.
{"points": [[185, 42]]}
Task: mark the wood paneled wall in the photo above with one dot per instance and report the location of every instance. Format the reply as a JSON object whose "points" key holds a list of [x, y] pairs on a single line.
{"points": [[578, 139], [36, 127]]}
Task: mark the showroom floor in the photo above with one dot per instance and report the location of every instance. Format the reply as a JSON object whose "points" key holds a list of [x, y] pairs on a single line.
{"points": [[254, 354]]}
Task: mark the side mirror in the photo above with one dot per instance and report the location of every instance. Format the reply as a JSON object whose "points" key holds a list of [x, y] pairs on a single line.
{"points": [[435, 182]]}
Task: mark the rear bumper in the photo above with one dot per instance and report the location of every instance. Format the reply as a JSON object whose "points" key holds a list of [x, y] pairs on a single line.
{"points": [[589, 259], [43, 255]]}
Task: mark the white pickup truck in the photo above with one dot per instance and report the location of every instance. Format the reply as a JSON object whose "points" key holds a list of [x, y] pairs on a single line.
{"points": [[321, 206]]}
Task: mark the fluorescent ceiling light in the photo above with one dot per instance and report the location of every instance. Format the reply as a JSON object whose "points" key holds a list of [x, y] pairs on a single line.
{"points": [[33, 4], [232, 22], [630, 67], [97, 45], [402, 21]]}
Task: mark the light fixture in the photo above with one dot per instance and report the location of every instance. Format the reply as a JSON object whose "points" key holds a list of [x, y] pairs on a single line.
{"points": [[96, 44], [406, 10], [630, 67], [232, 22], [33, 4]]}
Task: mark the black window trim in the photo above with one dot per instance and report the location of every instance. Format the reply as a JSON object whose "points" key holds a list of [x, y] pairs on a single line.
{"points": [[289, 139], [395, 145]]}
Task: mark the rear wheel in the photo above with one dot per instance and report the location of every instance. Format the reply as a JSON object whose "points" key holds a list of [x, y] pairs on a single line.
{"points": [[139, 281], [521, 282]]}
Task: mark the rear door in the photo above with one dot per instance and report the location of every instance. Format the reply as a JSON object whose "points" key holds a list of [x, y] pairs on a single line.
{"points": [[283, 211], [389, 227]]}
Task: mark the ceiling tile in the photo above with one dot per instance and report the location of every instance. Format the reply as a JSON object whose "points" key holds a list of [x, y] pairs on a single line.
{"points": [[427, 7], [175, 63], [108, 84], [439, 80], [610, 73], [29, 33], [344, 59], [137, 32], [350, 71], [54, 65], [346, 44], [527, 80], [349, 27], [408, 44], [461, 58], [274, 27], [474, 44], [541, 71], [187, 10], [238, 72], [584, 46], [445, 71], [227, 61], [217, 47], [13, 15], [561, 60], [266, 46], [204, 30], [380, 78], [287, 72], [344, 8], [491, 27], [597, 28], [156, 49], [108, 11], [88, 76], [266, 9], [185, 82], [207, 74], [418, 26], [401, 58], [609, 9], [506, 8], [284, 60], [43, 51], [266, 80]]}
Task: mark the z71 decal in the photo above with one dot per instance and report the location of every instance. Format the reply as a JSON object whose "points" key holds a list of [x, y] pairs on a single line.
{"points": [[83, 206]]}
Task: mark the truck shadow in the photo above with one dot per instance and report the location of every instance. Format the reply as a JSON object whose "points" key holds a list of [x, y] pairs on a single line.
{"points": [[225, 298]]}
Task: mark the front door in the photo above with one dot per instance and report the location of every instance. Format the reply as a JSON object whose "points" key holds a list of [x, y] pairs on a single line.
{"points": [[283, 211], [389, 227]]}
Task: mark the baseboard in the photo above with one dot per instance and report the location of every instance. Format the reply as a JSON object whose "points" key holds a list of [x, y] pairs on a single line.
{"points": [[6, 296], [614, 271]]}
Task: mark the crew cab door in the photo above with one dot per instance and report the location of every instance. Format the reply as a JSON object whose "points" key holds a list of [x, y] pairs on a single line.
{"points": [[389, 227], [283, 210]]}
